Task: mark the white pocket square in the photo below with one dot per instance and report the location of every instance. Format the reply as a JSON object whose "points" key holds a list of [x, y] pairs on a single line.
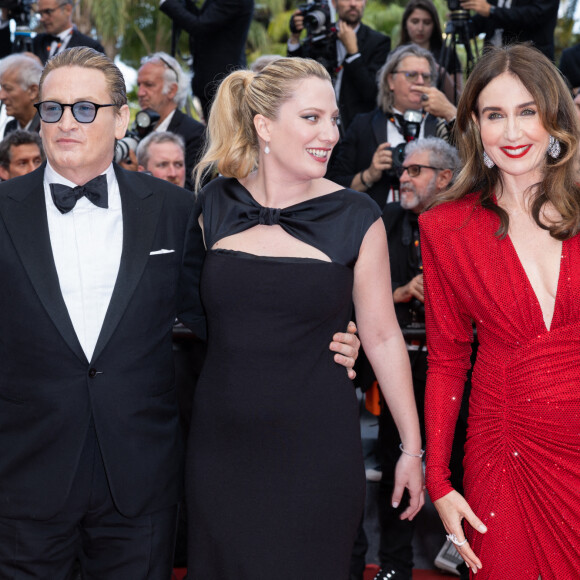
{"points": [[156, 252]]}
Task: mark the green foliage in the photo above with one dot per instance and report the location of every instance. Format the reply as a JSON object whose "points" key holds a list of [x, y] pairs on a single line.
{"points": [[279, 27]]}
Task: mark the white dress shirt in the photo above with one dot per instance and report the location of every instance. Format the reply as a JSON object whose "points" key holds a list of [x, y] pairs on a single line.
{"points": [[56, 47], [86, 245]]}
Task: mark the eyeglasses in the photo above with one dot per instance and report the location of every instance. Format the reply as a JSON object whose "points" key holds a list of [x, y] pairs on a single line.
{"points": [[83, 111], [156, 58], [413, 75], [49, 11], [415, 169]]}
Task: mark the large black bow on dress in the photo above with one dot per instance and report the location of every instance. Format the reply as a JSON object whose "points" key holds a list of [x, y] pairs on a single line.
{"points": [[95, 190]]}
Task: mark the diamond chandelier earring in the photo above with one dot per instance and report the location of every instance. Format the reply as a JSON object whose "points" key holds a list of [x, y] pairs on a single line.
{"points": [[267, 148], [554, 147], [487, 160]]}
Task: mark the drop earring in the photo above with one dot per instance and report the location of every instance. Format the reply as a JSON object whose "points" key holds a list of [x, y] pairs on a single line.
{"points": [[554, 147], [267, 148], [487, 160]]}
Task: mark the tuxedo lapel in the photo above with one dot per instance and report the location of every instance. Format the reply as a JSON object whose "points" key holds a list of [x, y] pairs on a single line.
{"points": [[24, 213], [141, 210], [379, 125]]}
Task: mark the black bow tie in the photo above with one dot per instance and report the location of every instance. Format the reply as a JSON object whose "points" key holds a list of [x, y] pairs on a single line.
{"points": [[65, 197], [50, 38]]}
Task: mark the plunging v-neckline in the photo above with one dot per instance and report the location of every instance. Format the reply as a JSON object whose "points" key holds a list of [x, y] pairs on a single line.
{"points": [[531, 287]]}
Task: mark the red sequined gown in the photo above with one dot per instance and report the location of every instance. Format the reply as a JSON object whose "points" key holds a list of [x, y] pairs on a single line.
{"points": [[522, 456]]}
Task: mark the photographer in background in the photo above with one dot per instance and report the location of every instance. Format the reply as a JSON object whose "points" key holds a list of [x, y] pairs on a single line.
{"points": [[409, 107], [509, 21], [360, 53], [428, 169], [217, 40], [162, 88]]}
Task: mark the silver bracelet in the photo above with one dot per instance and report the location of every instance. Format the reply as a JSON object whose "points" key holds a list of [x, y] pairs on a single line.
{"points": [[422, 452]]}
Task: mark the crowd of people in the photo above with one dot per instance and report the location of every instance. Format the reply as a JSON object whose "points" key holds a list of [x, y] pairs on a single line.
{"points": [[308, 195]]}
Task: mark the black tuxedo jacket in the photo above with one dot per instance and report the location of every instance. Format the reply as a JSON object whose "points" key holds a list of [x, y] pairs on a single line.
{"points": [[526, 20], [217, 38], [570, 65], [12, 125], [358, 89], [49, 391], [355, 152], [193, 133], [41, 47]]}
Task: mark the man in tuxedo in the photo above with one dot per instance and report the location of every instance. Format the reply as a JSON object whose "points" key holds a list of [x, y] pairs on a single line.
{"points": [[90, 448], [19, 78], [163, 87], [217, 40], [361, 52], [59, 31]]}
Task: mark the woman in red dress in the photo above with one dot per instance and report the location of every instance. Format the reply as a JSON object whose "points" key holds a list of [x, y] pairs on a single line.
{"points": [[502, 251]]}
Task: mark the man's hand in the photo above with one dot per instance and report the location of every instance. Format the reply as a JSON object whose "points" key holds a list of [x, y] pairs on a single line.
{"points": [[436, 103], [296, 24], [412, 289], [346, 345], [347, 36], [382, 161], [482, 7]]}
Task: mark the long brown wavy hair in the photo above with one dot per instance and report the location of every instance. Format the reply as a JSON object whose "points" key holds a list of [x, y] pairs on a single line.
{"points": [[557, 113]]}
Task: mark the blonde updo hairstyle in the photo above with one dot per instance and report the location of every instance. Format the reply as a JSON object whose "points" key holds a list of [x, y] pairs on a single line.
{"points": [[232, 145]]}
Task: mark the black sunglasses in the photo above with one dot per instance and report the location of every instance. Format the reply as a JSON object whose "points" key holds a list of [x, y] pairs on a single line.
{"points": [[83, 111], [415, 169]]}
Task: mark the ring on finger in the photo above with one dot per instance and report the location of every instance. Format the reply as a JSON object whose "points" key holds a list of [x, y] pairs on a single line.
{"points": [[454, 540]]}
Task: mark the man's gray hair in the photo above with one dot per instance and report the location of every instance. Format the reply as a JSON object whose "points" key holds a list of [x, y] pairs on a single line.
{"points": [[385, 97], [157, 137], [29, 69], [172, 73], [441, 154]]}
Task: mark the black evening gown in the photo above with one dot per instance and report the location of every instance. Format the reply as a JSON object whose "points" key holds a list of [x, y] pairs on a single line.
{"points": [[275, 476]]}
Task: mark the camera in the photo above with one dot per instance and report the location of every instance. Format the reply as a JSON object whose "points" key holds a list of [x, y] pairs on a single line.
{"points": [[320, 41], [20, 12], [125, 145], [145, 121], [410, 128], [457, 13]]}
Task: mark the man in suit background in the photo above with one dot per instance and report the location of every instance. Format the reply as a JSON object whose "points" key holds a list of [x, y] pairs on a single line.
{"points": [[163, 87], [361, 52], [19, 78], [59, 31], [509, 21], [20, 153], [162, 154], [217, 40]]}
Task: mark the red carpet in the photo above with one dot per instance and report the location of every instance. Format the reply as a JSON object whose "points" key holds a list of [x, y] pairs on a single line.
{"points": [[370, 573]]}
